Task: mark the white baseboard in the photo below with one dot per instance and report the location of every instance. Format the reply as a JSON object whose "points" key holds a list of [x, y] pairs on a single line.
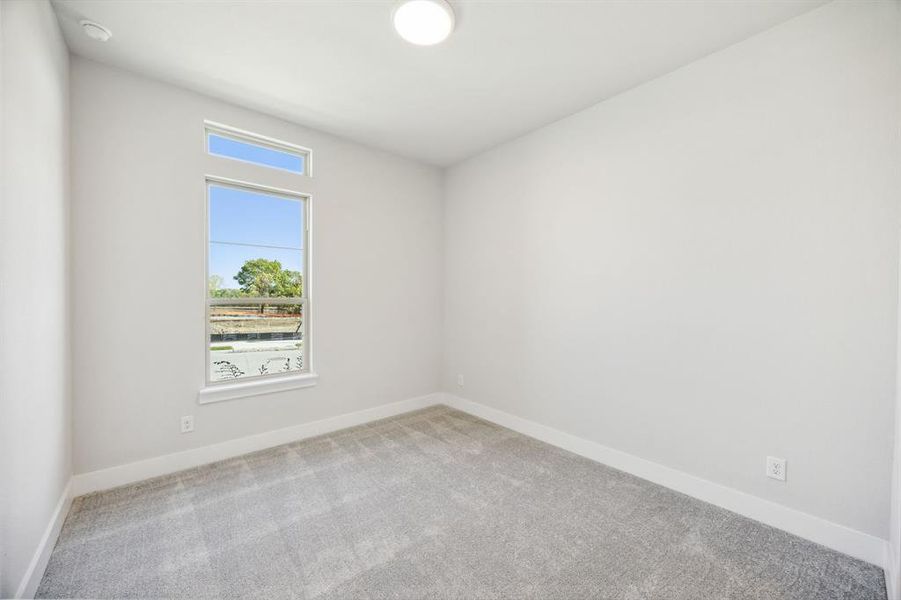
{"points": [[892, 574], [32, 578], [85, 483], [832, 535]]}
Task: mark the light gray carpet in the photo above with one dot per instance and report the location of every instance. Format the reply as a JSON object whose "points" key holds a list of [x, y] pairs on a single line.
{"points": [[431, 504]]}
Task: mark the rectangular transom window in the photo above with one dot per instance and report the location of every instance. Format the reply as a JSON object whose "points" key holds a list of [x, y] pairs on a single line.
{"points": [[257, 296], [237, 144]]}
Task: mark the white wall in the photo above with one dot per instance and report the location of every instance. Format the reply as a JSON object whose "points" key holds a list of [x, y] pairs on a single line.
{"points": [[35, 403], [703, 271], [139, 280]]}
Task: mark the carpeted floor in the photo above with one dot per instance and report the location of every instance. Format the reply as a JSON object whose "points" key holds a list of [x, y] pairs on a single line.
{"points": [[431, 504]]}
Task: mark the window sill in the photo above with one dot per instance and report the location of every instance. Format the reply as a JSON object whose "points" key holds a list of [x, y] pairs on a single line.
{"points": [[232, 391]]}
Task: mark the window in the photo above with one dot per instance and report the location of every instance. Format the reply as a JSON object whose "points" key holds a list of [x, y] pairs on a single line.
{"points": [[257, 298], [237, 144]]}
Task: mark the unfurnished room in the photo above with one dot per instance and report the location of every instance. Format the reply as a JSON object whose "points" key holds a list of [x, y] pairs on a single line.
{"points": [[450, 299]]}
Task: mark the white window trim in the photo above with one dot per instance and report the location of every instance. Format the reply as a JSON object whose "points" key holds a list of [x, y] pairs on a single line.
{"points": [[218, 391], [256, 387], [250, 137]]}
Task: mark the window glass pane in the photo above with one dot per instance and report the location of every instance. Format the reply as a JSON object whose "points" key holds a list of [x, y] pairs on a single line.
{"points": [[238, 270], [229, 147], [254, 340], [242, 216]]}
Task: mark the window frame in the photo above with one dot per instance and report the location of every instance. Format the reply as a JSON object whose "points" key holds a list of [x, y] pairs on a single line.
{"points": [[215, 391], [249, 137]]}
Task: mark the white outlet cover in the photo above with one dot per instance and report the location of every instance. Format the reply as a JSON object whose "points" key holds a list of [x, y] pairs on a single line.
{"points": [[187, 424], [775, 468]]}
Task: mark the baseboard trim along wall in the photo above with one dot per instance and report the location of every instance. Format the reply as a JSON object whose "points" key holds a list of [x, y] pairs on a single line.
{"points": [[892, 576], [85, 483], [32, 578], [832, 535]]}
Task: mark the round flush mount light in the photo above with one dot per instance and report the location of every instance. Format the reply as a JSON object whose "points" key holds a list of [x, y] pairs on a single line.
{"points": [[424, 22], [95, 31]]}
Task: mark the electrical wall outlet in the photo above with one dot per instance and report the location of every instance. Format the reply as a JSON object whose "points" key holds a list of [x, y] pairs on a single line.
{"points": [[775, 468], [460, 380], [187, 424]]}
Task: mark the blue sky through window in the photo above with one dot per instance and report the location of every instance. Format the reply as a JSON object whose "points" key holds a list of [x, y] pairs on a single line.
{"points": [[261, 155], [245, 225]]}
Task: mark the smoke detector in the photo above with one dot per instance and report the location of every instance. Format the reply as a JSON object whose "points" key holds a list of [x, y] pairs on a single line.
{"points": [[95, 31]]}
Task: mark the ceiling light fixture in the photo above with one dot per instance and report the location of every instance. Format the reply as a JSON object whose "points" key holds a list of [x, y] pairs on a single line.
{"points": [[95, 31], [424, 22]]}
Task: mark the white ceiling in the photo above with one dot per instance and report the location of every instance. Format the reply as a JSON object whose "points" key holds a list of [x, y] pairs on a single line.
{"points": [[509, 67]]}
